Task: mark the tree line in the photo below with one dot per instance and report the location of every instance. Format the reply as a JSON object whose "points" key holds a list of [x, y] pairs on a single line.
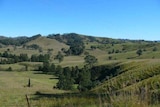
{"points": [[84, 78], [17, 41], [8, 58]]}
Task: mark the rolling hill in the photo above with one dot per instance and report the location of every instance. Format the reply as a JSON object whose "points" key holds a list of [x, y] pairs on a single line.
{"points": [[105, 49], [124, 70]]}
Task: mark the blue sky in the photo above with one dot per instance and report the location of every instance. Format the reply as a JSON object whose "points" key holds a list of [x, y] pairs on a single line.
{"points": [[127, 19]]}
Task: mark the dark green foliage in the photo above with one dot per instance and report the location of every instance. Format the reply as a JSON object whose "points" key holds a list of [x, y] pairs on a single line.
{"points": [[11, 58], [40, 58], [117, 51], [109, 52], [76, 44], [33, 46], [6, 54], [43, 58], [76, 49], [46, 67], [155, 49], [86, 77], [9, 69], [90, 59], [59, 70], [17, 41], [75, 41], [75, 74], [65, 80], [52, 68], [86, 53], [109, 57], [101, 72], [91, 38], [85, 82], [23, 57], [34, 58], [139, 52], [55, 36], [59, 56], [93, 47]]}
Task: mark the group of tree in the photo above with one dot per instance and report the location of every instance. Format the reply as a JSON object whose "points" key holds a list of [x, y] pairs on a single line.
{"points": [[114, 51], [50, 68], [70, 76], [85, 78], [32, 46], [8, 58], [59, 57], [75, 41], [90, 60], [17, 41], [76, 44], [40, 58]]}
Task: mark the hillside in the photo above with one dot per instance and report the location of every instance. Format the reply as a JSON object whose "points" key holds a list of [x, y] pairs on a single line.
{"points": [[117, 71], [132, 75], [105, 49]]}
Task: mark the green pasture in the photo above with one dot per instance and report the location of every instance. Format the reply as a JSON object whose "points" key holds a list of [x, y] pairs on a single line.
{"points": [[13, 87]]}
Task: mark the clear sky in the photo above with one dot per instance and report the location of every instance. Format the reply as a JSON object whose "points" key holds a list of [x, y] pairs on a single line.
{"points": [[126, 19]]}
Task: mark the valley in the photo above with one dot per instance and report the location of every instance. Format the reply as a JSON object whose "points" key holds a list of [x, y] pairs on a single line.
{"points": [[73, 70]]}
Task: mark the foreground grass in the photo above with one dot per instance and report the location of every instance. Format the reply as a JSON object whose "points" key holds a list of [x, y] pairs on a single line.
{"points": [[13, 87]]}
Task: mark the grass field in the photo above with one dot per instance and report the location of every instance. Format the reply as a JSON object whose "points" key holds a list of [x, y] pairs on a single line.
{"points": [[13, 87]]}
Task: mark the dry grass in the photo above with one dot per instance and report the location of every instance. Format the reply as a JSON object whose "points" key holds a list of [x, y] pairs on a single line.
{"points": [[46, 43]]}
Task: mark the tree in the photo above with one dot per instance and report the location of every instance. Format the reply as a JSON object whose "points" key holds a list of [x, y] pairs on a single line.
{"points": [[109, 57], [59, 56], [9, 69], [34, 58], [155, 49], [75, 74], [139, 52], [46, 66], [90, 59], [52, 68], [76, 48], [93, 47], [59, 70], [65, 80], [85, 82], [23, 57]]}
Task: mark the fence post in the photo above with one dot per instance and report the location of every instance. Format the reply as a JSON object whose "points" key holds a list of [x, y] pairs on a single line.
{"points": [[27, 99]]}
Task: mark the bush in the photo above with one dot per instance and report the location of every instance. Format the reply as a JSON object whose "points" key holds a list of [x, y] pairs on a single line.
{"points": [[9, 69]]}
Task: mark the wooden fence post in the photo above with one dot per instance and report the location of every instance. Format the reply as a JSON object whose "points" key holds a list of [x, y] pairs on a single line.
{"points": [[27, 99]]}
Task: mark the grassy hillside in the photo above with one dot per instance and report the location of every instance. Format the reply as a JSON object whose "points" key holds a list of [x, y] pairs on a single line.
{"points": [[46, 43], [104, 49], [132, 73], [136, 80], [122, 77]]}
